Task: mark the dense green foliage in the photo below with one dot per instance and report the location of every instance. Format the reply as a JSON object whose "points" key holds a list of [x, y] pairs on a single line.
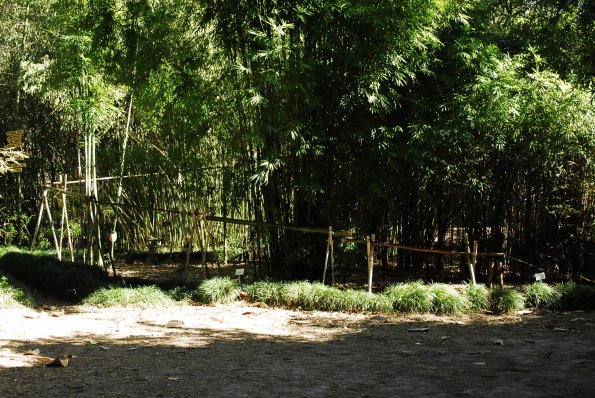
{"points": [[143, 296], [218, 290], [414, 120], [506, 300], [542, 295]]}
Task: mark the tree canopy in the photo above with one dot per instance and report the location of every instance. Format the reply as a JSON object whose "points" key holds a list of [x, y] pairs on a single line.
{"points": [[407, 119]]}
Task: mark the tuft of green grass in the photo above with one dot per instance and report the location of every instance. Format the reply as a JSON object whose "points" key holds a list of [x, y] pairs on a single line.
{"points": [[218, 290], [478, 297], [542, 295], [268, 292], [325, 298], [11, 296], [144, 296], [412, 297], [506, 300], [297, 295], [362, 301], [9, 249], [446, 300]]}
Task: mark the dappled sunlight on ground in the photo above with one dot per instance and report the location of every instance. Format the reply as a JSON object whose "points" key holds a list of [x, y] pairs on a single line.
{"points": [[241, 350]]}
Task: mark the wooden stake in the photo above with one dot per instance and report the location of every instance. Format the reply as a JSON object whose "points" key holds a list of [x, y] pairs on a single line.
{"points": [[61, 238], [49, 214], [68, 232], [329, 249], [474, 260], [41, 206], [469, 258], [370, 250], [205, 244], [330, 237], [490, 273], [325, 262], [191, 231], [500, 275]]}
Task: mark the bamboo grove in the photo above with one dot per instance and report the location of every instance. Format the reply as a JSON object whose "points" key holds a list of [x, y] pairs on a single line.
{"points": [[415, 120]]}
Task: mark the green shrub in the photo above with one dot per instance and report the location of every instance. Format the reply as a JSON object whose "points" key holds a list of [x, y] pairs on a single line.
{"points": [[412, 297], [574, 296], [506, 300], [297, 295], [11, 296], [268, 292], [478, 297], [446, 300], [218, 290], [542, 295], [143, 296], [360, 300], [325, 298], [9, 249]]}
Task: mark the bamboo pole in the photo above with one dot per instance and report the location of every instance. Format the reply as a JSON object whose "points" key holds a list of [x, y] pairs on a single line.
{"points": [[68, 231], [469, 258], [474, 260], [204, 241], [190, 236], [39, 217], [326, 256], [490, 274], [370, 251], [61, 238], [49, 214], [330, 236]]}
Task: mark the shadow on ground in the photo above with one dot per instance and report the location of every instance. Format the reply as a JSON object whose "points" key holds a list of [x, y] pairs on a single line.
{"points": [[542, 355]]}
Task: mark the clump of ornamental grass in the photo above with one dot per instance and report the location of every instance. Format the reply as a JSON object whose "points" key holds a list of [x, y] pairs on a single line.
{"points": [[316, 296], [142, 296], [218, 290], [362, 301], [11, 296], [297, 294], [411, 297], [268, 292], [506, 300], [478, 297], [326, 298], [446, 300], [542, 295]]}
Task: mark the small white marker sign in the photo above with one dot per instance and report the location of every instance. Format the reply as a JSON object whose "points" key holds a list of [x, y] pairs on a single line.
{"points": [[540, 276], [239, 271]]}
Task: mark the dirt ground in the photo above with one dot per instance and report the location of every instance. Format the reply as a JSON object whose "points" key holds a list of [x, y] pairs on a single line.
{"points": [[239, 350]]}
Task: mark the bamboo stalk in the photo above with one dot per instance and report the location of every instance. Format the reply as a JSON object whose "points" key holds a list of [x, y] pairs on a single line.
{"points": [[469, 258], [330, 236], [49, 214], [39, 217], [370, 252], [68, 231], [326, 256]]}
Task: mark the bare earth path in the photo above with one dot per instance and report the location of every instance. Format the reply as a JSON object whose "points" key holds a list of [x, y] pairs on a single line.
{"points": [[241, 351]]}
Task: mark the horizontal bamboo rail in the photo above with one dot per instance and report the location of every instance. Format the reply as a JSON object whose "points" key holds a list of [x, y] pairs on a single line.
{"points": [[322, 231]]}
